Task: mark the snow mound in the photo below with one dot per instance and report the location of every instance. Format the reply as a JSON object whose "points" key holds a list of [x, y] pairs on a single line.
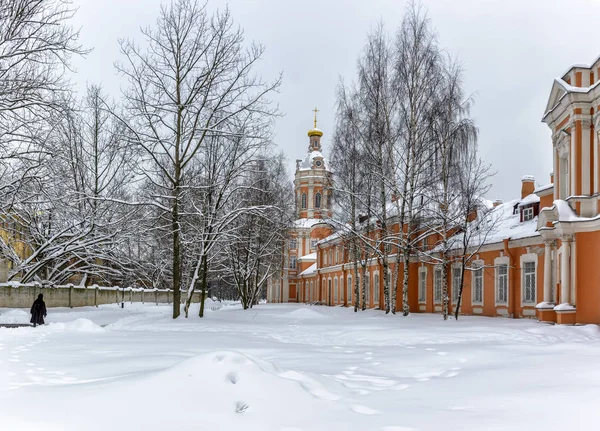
{"points": [[305, 313], [230, 387], [14, 316], [77, 325]]}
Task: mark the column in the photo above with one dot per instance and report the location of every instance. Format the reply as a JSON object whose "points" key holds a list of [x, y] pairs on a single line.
{"points": [[565, 276], [548, 271], [572, 190], [585, 157], [595, 170]]}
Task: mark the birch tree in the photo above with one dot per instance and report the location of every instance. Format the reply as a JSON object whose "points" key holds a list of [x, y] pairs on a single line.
{"points": [[192, 76]]}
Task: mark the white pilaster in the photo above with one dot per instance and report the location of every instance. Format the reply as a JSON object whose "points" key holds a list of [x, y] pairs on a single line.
{"points": [[548, 272], [572, 160], [585, 157], [565, 277]]}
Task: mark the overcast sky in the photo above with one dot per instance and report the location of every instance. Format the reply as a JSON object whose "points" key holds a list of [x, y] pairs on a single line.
{"points": [[511, 51]]}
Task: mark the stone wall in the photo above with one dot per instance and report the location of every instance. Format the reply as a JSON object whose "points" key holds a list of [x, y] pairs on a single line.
{"points": [[14, 295]]}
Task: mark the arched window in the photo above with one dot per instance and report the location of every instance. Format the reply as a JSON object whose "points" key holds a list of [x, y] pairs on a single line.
{"points": [[318, 200], [303, 201]]}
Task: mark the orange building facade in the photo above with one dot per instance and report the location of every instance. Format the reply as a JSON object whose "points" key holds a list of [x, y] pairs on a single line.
{"points": [[540, 260]]}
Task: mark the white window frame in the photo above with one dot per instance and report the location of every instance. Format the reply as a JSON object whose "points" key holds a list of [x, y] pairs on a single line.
{"points": [[318, 199], [311, 294], [498, 262], [329, 291], [438, 275], [337, 255], [529, 258], [335, 290], [303, 201], [455, 281], [528, 213], [478, 271], [313, 244], [293, 244], [422, 285], [293, 262]]}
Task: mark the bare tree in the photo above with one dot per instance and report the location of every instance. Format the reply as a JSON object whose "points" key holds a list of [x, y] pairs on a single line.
{"points": [[192, 78]]}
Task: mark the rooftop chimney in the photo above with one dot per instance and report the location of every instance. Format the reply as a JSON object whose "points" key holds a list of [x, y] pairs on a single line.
{"points": [[527, 185]]}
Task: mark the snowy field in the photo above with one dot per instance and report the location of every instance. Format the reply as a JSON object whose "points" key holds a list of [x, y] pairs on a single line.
{"points": [[287, 367]]}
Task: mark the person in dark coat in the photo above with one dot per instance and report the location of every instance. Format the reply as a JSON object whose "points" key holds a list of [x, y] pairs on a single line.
{"points": [[38, 311]]}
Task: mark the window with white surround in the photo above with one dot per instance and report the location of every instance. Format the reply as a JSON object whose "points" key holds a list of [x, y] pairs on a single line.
{"points": [[349, 289], [477, 293], [528, 283], [437, 285], [337, 255], [293, 262], [502, 284], [318, 200], [335, 290], [311, 291], [303, 201], [367, 288], [293, 244], [422, 284], [329, 291], [313, 244], [456, 276], [527, 213], [376, 288]]}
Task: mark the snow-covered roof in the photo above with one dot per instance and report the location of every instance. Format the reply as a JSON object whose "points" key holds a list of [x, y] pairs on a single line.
{"points": [[306, 222], [307, 163], [544, 188], [310, 270], [529, 199], [308, 257]]}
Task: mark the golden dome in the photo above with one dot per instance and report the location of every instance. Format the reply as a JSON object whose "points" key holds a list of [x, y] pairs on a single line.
{"points": [[315, 132]]}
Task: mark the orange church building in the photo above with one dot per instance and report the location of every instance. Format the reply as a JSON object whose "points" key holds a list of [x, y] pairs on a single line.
{"points": [[540, 260]]}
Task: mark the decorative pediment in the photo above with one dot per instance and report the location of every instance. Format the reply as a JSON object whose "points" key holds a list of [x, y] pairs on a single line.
{"points": [[557, 93]]}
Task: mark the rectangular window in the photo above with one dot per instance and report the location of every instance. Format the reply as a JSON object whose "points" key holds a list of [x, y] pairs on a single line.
{"points": [[313, 244], [376, 289], [422, 285], [293, 262], [437, 282], [456, 279], [293, 244], [349, 290], [502, 284], [478, 285], [527, 213], [335, 290], [367, 289], [529, 282]]}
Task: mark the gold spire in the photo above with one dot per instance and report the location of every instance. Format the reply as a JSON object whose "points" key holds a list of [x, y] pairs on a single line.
{"points": [[314, 131]]}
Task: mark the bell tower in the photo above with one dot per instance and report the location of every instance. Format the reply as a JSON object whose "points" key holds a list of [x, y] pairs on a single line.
{"points": [[313, 181]]}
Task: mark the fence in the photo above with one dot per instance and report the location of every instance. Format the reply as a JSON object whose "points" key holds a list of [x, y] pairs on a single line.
{"points": [[15, 295]]}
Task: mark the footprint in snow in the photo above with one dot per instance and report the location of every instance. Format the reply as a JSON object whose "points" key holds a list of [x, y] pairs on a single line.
{"points": [[241, 407], [363, 410], [232, 378]]}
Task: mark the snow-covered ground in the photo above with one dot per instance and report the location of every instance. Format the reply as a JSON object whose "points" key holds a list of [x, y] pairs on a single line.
{"points": [[288, 367]]}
